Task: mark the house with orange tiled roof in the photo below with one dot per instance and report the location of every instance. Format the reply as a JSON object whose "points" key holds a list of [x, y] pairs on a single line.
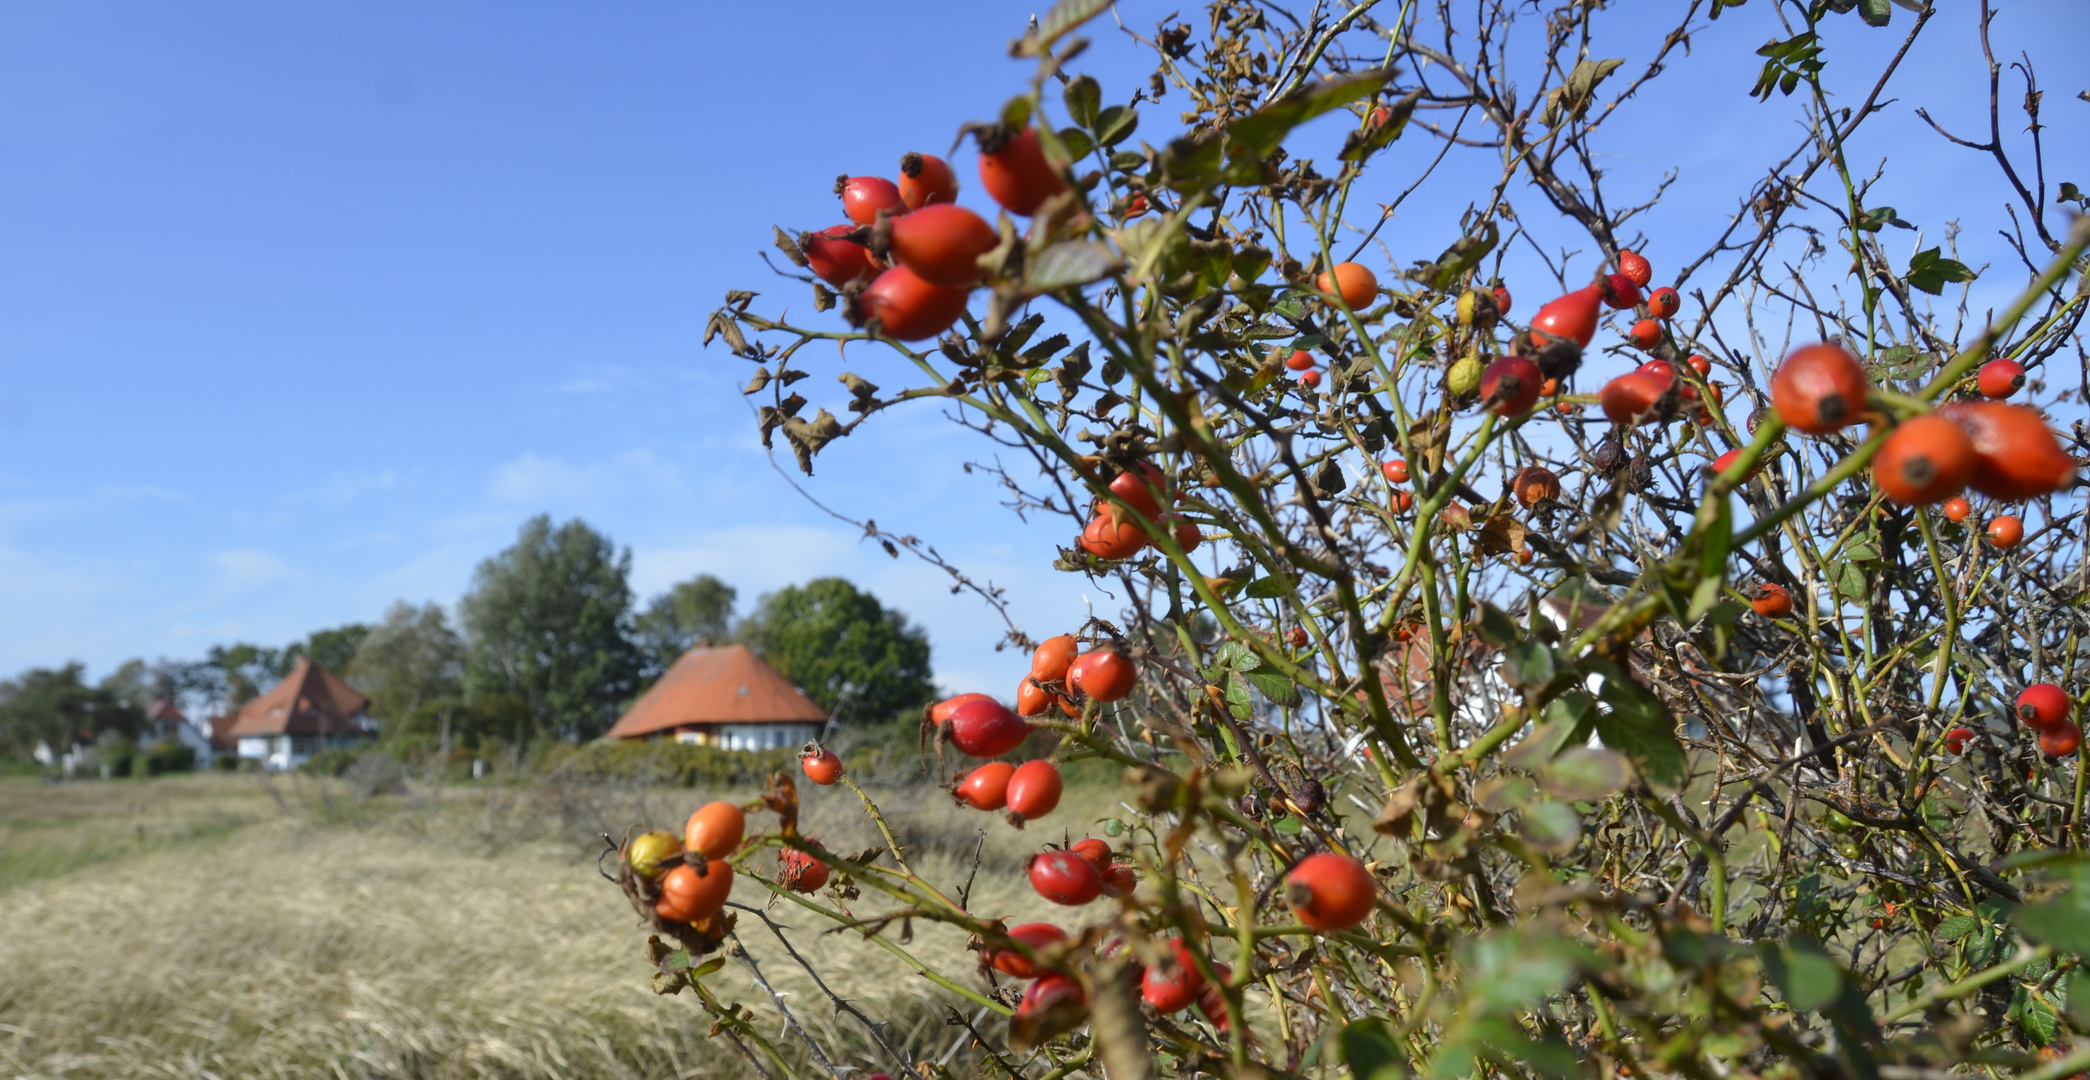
{"points": [[309, 711], [164, 722], [724, 697]]}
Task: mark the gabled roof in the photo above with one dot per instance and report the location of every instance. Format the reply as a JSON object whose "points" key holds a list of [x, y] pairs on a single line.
{"points": [[221, 737], [309, 701], [727, 685], [163, 709]]}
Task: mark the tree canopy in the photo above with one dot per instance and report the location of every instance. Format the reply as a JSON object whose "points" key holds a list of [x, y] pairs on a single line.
{"points": [[548, 620], [700, 609], [857, 658], [57, 707], [410, 659]]}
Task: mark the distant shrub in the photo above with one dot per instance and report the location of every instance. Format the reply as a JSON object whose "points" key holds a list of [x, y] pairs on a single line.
{"points": [[165, 757]]}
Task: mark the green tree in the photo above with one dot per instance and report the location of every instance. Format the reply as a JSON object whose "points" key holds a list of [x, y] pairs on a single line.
{"points": [[334, 650], [142, 683], [232, 675], [700, 609], [57, 707], [851, 654], [408, 661], [548, 620]]}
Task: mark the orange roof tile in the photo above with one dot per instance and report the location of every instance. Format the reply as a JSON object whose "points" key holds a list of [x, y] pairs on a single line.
{"points": [[728, 685], [164, 709], [309, 701]]}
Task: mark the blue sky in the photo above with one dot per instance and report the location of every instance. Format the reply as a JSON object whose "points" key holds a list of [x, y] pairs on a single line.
{"points": [[304, 309]]}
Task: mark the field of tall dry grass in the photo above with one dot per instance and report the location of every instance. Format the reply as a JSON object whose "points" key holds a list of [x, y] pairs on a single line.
{"points": [[220, 926]]}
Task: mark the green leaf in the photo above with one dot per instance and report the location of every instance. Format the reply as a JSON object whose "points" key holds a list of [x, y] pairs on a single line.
{"points": [[1901, 362], [1190, 164], [1930, 271], [1586, 774], [1070, 264], [1809, 979], [1955, 927], [1083, 96], [1785, 63], [1879, 217], [1253, 137], [1495, 626], [2069, 193], [1276, 686], [1713, 540], [1077, 142], [2063, 921], [1528, 665], [1510, 970], [1016, 112], [1848, 581], [1638, 726], [1875, 12], [1461, 257], [1265, 588], [2078, 989], [1503, 792], [1565, 717], [1058, 22], [1551, 827], [707, 967], [1114, 125], [1369, 1049], [1287, 826], [2038, 1020], [1234, 654], [1372, 138]]}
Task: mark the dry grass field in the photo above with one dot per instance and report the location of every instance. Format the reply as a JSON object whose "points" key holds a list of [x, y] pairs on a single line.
{"points": [[220, 926]]}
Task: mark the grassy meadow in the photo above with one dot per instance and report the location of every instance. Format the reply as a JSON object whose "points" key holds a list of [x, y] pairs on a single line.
{"points": [[234, 925]]}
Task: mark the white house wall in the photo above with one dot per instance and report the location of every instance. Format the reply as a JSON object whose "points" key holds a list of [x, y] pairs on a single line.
{"points": [[762, 736]]}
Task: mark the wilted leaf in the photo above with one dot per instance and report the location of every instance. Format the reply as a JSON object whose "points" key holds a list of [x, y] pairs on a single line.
{"points": [[808, 437], [1119, 1029], [1501, 535], [760, 380], [1570, 100], [789, 247]]}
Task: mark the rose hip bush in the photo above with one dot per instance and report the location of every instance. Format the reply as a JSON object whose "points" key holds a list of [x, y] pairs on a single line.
{"points": [[1683, 678]]}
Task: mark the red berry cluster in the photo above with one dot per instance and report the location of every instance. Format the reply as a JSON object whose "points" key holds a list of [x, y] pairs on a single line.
{"points": [[910, 257], [1113, 532]]}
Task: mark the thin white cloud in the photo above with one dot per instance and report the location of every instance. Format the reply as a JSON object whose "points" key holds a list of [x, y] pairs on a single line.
{"points": [[342, 488], [543, 481], [247, 568]]}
